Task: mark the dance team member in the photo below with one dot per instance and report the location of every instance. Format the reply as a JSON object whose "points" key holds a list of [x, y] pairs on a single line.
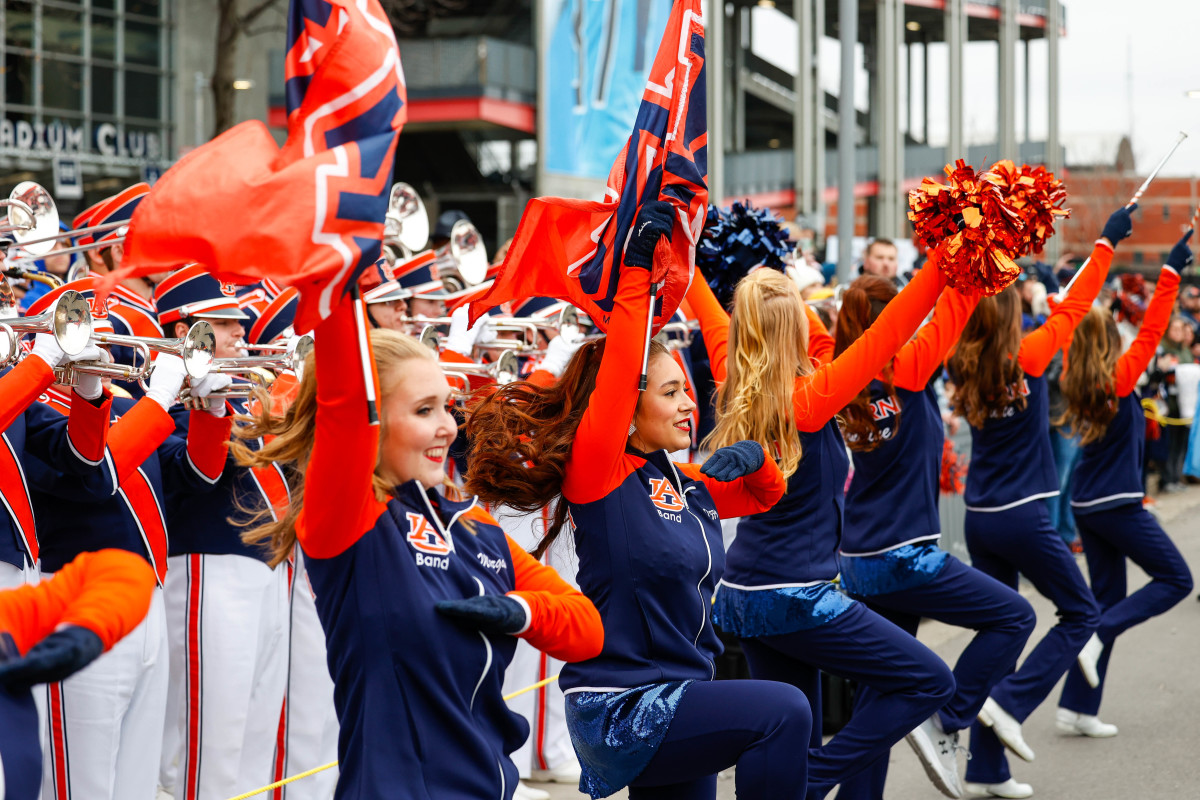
{"points": [[778, 595], [420, 596], [106, 722], [646, 713], [1000, 389], [1104, 409], [889, 555], [48, 632]]}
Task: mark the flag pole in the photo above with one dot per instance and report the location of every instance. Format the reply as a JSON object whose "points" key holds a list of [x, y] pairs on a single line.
{"points": [[654, 288], [1062, 295], [364, 353]]}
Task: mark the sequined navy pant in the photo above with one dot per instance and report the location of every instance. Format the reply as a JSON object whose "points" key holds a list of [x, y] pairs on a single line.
{"points": [[911, 683]]}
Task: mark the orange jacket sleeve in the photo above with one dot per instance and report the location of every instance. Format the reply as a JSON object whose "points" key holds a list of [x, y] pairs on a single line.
{"points": [[714, 324], [820, 343], [563, 622], [596, 465], [108, 592], [22, 386], [1133, 363], [1039, 347], [751, 494], [820, 395], [918, 360], [137, 434], [339, 500]]}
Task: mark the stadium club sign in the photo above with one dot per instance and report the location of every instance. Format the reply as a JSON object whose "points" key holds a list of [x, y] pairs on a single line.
{"points": [[55, 139]]}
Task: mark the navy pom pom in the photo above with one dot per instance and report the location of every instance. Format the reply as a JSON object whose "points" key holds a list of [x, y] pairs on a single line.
{"points": [[735, 241]]}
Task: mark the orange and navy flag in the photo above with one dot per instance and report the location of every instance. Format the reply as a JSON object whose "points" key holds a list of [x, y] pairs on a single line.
{"points": [[573, 249], [309, 214]]}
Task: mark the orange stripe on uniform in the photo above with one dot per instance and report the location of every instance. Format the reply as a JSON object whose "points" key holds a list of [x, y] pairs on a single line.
{"points": [[58, 741], [195, 572]]}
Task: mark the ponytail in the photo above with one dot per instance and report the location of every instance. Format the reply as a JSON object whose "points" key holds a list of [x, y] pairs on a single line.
{"points": [[862, 303]]}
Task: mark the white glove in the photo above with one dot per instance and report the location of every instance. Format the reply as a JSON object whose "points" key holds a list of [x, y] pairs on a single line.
{"points": [[166, 380], [561, 349], [462, 339], [45, 347], [212, 382], [88, 385]]}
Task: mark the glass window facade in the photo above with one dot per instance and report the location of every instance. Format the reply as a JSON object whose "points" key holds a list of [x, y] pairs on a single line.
{"points": [[101, 67]]}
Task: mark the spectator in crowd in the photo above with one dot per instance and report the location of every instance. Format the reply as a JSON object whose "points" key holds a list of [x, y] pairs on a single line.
{"points": [[1173, 352], [882, 259], [1189, 305]]}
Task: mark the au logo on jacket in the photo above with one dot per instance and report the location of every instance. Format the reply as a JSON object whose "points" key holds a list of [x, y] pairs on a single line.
{"points": [[425, 538], [664, 496]]}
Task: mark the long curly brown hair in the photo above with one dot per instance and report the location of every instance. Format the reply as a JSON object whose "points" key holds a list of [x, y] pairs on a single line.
{"points": [[862, 303], [984, 364], [521, 436], [1088, 385]]}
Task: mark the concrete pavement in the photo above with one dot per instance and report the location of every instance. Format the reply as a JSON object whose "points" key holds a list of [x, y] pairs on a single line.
{"points": [[1152, 694]]}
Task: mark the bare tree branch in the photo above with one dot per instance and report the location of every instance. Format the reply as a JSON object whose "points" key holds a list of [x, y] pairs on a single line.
{"points": [[257, 11]]}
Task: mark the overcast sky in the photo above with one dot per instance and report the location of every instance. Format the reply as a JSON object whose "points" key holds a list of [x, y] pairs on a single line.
{"points": [[1156, 42]]}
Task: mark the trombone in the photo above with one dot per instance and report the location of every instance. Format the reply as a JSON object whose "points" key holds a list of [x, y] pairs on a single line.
{"points": [[195, 349], [69, 319]]}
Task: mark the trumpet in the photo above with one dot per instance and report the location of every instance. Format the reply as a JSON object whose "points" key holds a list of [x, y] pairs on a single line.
{"points": [[260, 370], [32, 218], [195, 349], [505, 369], [679, 335], [69, 319]]}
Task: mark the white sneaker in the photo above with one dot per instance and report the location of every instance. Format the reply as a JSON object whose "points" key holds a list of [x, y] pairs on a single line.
{"points": [[938, 753], [566, 772], [1010, 788], [1083, 725], [524, 792], [1006, 728], [1089, 658]]}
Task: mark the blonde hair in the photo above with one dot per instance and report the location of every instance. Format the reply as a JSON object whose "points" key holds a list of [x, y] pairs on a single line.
{"points": [[768, 350], [288, 441], [1088, 384]]}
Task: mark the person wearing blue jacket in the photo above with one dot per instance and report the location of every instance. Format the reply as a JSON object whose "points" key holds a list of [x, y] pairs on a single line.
{"points": [[1000, 388], [889, 555], [646, 712], [421, 596], [779, 386], [1105, 410]]}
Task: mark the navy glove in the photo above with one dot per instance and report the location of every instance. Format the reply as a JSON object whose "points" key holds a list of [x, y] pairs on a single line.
{"points": [[654, 221], [58, 656], [1119, 225], [1180, 255], [491, 613], [735, 461]]}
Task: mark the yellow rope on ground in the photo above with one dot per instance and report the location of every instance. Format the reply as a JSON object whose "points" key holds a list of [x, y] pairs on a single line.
{"points": [[333, 764], [1151, 409]]}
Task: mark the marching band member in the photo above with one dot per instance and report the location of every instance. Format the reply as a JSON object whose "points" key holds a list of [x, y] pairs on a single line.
{"points": [[52, 630], [889, 554], [1103, 408], [778, 595], [106, 722], [387, 301], [226, 608], [29, 427], [1000, 388], [645, 713], [131, 305], [393, 562]]}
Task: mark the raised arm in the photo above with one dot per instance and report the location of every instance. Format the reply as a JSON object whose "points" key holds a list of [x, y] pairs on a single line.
{"points": [[714, 324], [751, 494], [1134, 361], [594, 467], [918, 360], [562, 621], [339, 499], [820, 395], [1039, 347]]}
